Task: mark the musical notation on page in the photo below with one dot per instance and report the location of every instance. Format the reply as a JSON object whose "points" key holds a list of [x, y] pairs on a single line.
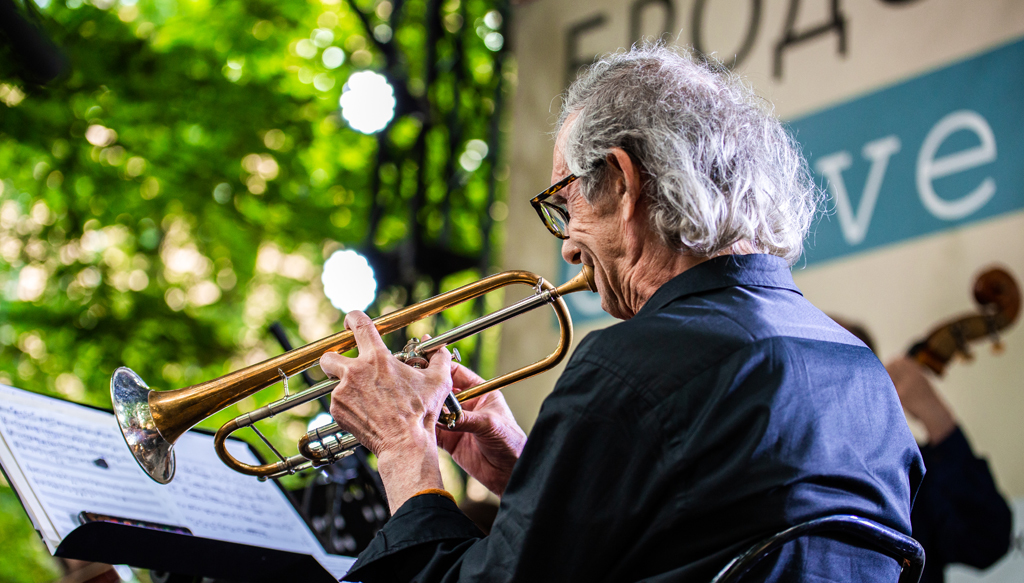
{"points": [[217, 502], [73, 462], [69, 461]]}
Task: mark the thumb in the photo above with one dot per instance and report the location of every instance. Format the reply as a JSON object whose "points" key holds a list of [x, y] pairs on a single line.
{"points": [[463, 378]]}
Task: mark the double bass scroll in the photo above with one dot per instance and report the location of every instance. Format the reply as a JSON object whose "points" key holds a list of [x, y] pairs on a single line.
{"points": [[998, 298]]}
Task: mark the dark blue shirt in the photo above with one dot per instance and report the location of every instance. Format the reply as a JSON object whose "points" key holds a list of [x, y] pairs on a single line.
{"points": [[727, 409]]}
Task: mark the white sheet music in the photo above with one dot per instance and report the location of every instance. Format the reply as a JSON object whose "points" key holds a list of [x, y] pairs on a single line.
{"points": [[64, 459], [216, 502]]}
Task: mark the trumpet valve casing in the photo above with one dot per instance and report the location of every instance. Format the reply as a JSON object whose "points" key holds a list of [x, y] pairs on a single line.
{"points": [[326, 445]]}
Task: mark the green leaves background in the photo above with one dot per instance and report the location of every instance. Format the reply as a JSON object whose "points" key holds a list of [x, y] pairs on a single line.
{"points": [[181, 186]]}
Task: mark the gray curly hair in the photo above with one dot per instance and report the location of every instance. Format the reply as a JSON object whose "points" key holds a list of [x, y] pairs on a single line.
{"points": [[717, 166]]}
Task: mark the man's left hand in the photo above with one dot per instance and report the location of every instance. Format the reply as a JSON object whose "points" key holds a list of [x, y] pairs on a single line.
{"points": [[487, 441]]}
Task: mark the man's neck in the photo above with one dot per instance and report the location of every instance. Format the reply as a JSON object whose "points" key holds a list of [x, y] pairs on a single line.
{"points": [[658, 264]]}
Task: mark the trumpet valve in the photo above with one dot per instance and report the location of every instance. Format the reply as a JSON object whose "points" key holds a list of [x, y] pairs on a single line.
{"points": [[411, 356], [414, 360], [327, 444]]}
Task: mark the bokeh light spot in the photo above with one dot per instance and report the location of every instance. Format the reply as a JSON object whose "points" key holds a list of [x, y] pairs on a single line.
{"points": [[98, 135], [305, 48], [322, 37], [323, 82], [348, 281], [493, 19], [367, 102], [494, 41], [382, 33], [476, 151], [333, 57], [319, 421]]}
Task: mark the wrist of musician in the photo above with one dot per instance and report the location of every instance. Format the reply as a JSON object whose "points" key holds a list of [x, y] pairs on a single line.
{"points": [[408, 469], [931, 409], [939, 422]]}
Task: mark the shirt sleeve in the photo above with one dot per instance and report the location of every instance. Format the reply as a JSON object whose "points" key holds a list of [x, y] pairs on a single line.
{"points": [[959, 515], [428, 533]]}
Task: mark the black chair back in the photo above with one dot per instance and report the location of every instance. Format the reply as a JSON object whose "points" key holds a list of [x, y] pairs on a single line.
{"points": [[904, 549]]}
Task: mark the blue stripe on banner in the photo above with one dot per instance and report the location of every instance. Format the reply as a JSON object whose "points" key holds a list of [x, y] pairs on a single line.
{"points": [[932, 153]]}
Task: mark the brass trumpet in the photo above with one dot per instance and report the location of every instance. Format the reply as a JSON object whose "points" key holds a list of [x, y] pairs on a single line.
{"points": [[151, 421]]}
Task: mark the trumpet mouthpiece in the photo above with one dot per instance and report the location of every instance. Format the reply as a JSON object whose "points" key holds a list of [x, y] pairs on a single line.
{"points": [[584, 280]]}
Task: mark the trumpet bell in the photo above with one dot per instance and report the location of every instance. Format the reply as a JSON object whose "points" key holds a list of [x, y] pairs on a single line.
{"points": [[130, 396]]}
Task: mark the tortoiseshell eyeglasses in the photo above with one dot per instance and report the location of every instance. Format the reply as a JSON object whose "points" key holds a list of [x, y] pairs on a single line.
{"points": [[555, 217]]}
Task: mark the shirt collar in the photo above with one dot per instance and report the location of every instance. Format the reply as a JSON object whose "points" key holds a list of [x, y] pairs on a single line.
{"points": [[757, 269]]}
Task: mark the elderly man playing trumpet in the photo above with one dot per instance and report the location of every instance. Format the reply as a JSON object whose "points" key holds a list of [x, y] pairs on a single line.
{"points": [[723, 408]]}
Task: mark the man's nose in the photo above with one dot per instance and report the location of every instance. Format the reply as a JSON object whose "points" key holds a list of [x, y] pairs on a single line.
{"points": [[570, 252]]}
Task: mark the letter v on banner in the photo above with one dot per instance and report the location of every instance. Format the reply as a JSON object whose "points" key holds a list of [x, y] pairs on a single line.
{"points": [[855, 225]]}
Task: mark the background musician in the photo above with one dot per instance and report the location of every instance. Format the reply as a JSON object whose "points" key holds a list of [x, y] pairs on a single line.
{"points": [[723, 409], [959, 516]]}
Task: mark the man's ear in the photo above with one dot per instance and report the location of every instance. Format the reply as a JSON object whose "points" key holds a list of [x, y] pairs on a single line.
{"points": [[625, 179]]}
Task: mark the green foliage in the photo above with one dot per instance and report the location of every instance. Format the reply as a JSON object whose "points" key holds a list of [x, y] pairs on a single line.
{"points": [[180, 188], [24, 558]]}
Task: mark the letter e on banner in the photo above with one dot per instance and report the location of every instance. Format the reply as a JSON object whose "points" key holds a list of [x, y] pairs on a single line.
{"points": [[929, 167]]}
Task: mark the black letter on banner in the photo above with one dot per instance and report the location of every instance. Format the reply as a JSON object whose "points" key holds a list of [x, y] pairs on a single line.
{"points": [[636, 12], [748, 41], [898, 1], [573, 62], [791, 37]]}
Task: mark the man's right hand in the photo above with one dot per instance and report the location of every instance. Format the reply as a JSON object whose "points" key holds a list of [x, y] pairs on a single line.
{"points": [[487, 440]]}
